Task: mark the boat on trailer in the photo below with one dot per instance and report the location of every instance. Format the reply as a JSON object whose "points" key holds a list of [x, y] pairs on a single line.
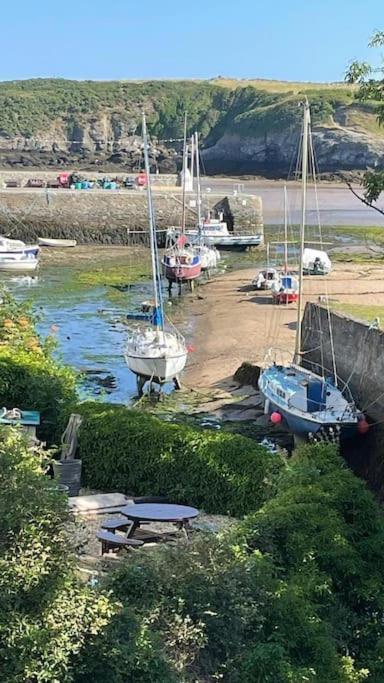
{"points": [[153, 352], [306, 401]]}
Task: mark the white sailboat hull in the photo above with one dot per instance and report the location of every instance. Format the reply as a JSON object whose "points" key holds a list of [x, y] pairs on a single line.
{"points": [[163, 369], [158, 355]]}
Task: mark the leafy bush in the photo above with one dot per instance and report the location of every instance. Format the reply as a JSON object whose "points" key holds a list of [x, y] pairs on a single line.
{"points": [[130, 451], [291, 594], [46, 615], [29, 376]]}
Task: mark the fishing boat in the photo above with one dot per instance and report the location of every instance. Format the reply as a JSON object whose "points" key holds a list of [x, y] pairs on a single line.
{"points": [[51, 242], [316, 262], [306, 401], [154, 352], [181, 262]]}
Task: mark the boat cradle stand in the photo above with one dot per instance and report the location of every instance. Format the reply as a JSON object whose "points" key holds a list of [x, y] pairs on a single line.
{"points": [[142, 379], [189, 283]]}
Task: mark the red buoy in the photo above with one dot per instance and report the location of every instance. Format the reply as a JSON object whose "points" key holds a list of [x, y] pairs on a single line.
{"points": [[276, 418], [362, 426]]}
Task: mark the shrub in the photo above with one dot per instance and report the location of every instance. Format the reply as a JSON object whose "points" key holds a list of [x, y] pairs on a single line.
{"points": [[30, 378], [46, 615], [264, 602], [133, 452]]}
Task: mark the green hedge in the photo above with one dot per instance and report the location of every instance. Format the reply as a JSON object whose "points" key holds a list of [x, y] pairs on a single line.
{"points": [[133, 452]]}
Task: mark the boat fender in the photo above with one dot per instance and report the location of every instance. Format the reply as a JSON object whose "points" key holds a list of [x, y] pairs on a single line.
{"points": [[276, 418], [362, 426]]}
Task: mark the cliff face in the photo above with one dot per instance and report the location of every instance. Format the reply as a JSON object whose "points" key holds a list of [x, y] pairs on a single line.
{"points": [[337, 149], [244, 128]]}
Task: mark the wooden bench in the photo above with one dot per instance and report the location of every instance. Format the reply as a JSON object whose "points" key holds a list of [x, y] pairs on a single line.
{"points": [[111, 541], [116, 524]]}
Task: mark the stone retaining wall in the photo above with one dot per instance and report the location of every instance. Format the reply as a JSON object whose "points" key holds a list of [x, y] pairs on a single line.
{"points": [[107, 216], [359, 354]]}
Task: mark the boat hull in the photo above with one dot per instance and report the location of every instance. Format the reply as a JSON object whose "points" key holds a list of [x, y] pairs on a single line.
{"points": [[48, 242], [158, 369], [232, 242], [303, 427], [181, 272], [18, 265], [285, 297]]}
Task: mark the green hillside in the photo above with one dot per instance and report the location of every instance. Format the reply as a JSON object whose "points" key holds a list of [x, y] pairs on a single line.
{"points": [[28, 107]]}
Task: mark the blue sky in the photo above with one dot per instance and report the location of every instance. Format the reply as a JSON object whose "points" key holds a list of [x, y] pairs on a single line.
{"points": [[107, 39]]}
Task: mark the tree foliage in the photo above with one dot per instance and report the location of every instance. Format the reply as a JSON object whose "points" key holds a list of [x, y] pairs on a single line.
{"points": [[370, 80], [46, 615]]}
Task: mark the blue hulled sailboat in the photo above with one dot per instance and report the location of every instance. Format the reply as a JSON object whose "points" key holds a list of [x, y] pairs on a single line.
{"points": [[306, 401]]}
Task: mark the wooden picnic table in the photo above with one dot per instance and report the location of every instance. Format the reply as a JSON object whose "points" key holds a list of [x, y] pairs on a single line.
{"points": [[180, 515]]}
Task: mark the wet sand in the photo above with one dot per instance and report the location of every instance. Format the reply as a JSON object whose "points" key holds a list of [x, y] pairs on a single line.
{"points": [[234, 323]]}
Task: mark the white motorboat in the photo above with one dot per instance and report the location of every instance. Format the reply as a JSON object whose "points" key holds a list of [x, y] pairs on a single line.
{"points": [[9, 247], [51, 242], [215, 233], [154, 353], [18, 263]]}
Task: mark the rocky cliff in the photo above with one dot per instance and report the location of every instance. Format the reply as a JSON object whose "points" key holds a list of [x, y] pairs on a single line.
{"points": [[244, 127]]}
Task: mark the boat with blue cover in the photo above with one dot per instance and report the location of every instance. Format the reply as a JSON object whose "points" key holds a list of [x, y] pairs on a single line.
{"points": [[306, 401]]}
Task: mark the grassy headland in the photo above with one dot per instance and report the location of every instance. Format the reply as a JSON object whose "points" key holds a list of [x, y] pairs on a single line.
{"points": [[33, 106]]}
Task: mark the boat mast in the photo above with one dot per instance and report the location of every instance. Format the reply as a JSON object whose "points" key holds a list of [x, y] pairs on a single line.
{"points": [[285, 231], [304, 173], [192, 158], [183, 173], [159, 316], [198, 186]]}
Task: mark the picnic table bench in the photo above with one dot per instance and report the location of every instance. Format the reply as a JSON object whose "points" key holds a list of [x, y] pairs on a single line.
{"points": [[110, 541]]}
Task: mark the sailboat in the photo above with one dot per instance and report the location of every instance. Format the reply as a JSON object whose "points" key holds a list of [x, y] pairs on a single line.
{"points": [[153, 352], [209, 255], [266, 278], [285, 290], [181, 262], [306, 401]]}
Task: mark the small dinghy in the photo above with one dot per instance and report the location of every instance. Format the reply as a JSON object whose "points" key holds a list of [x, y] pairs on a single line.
{"points": [[51, 242]]}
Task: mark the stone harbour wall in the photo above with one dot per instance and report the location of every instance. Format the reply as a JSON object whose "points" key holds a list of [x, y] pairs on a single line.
{"points": [[110, 216], [359, 353]]}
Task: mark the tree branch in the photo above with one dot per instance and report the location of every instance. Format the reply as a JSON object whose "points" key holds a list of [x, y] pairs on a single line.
{"points": [[362, 199]]}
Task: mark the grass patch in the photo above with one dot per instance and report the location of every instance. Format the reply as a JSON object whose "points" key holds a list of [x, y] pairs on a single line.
{"points": [[114, 276], [363, 312]]}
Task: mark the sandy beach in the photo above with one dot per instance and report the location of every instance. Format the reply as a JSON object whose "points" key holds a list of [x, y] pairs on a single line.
{"points": [[234, 323]]}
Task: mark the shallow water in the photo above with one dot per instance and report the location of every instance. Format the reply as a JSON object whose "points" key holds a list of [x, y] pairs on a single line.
{"points": [[88, 326]]}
